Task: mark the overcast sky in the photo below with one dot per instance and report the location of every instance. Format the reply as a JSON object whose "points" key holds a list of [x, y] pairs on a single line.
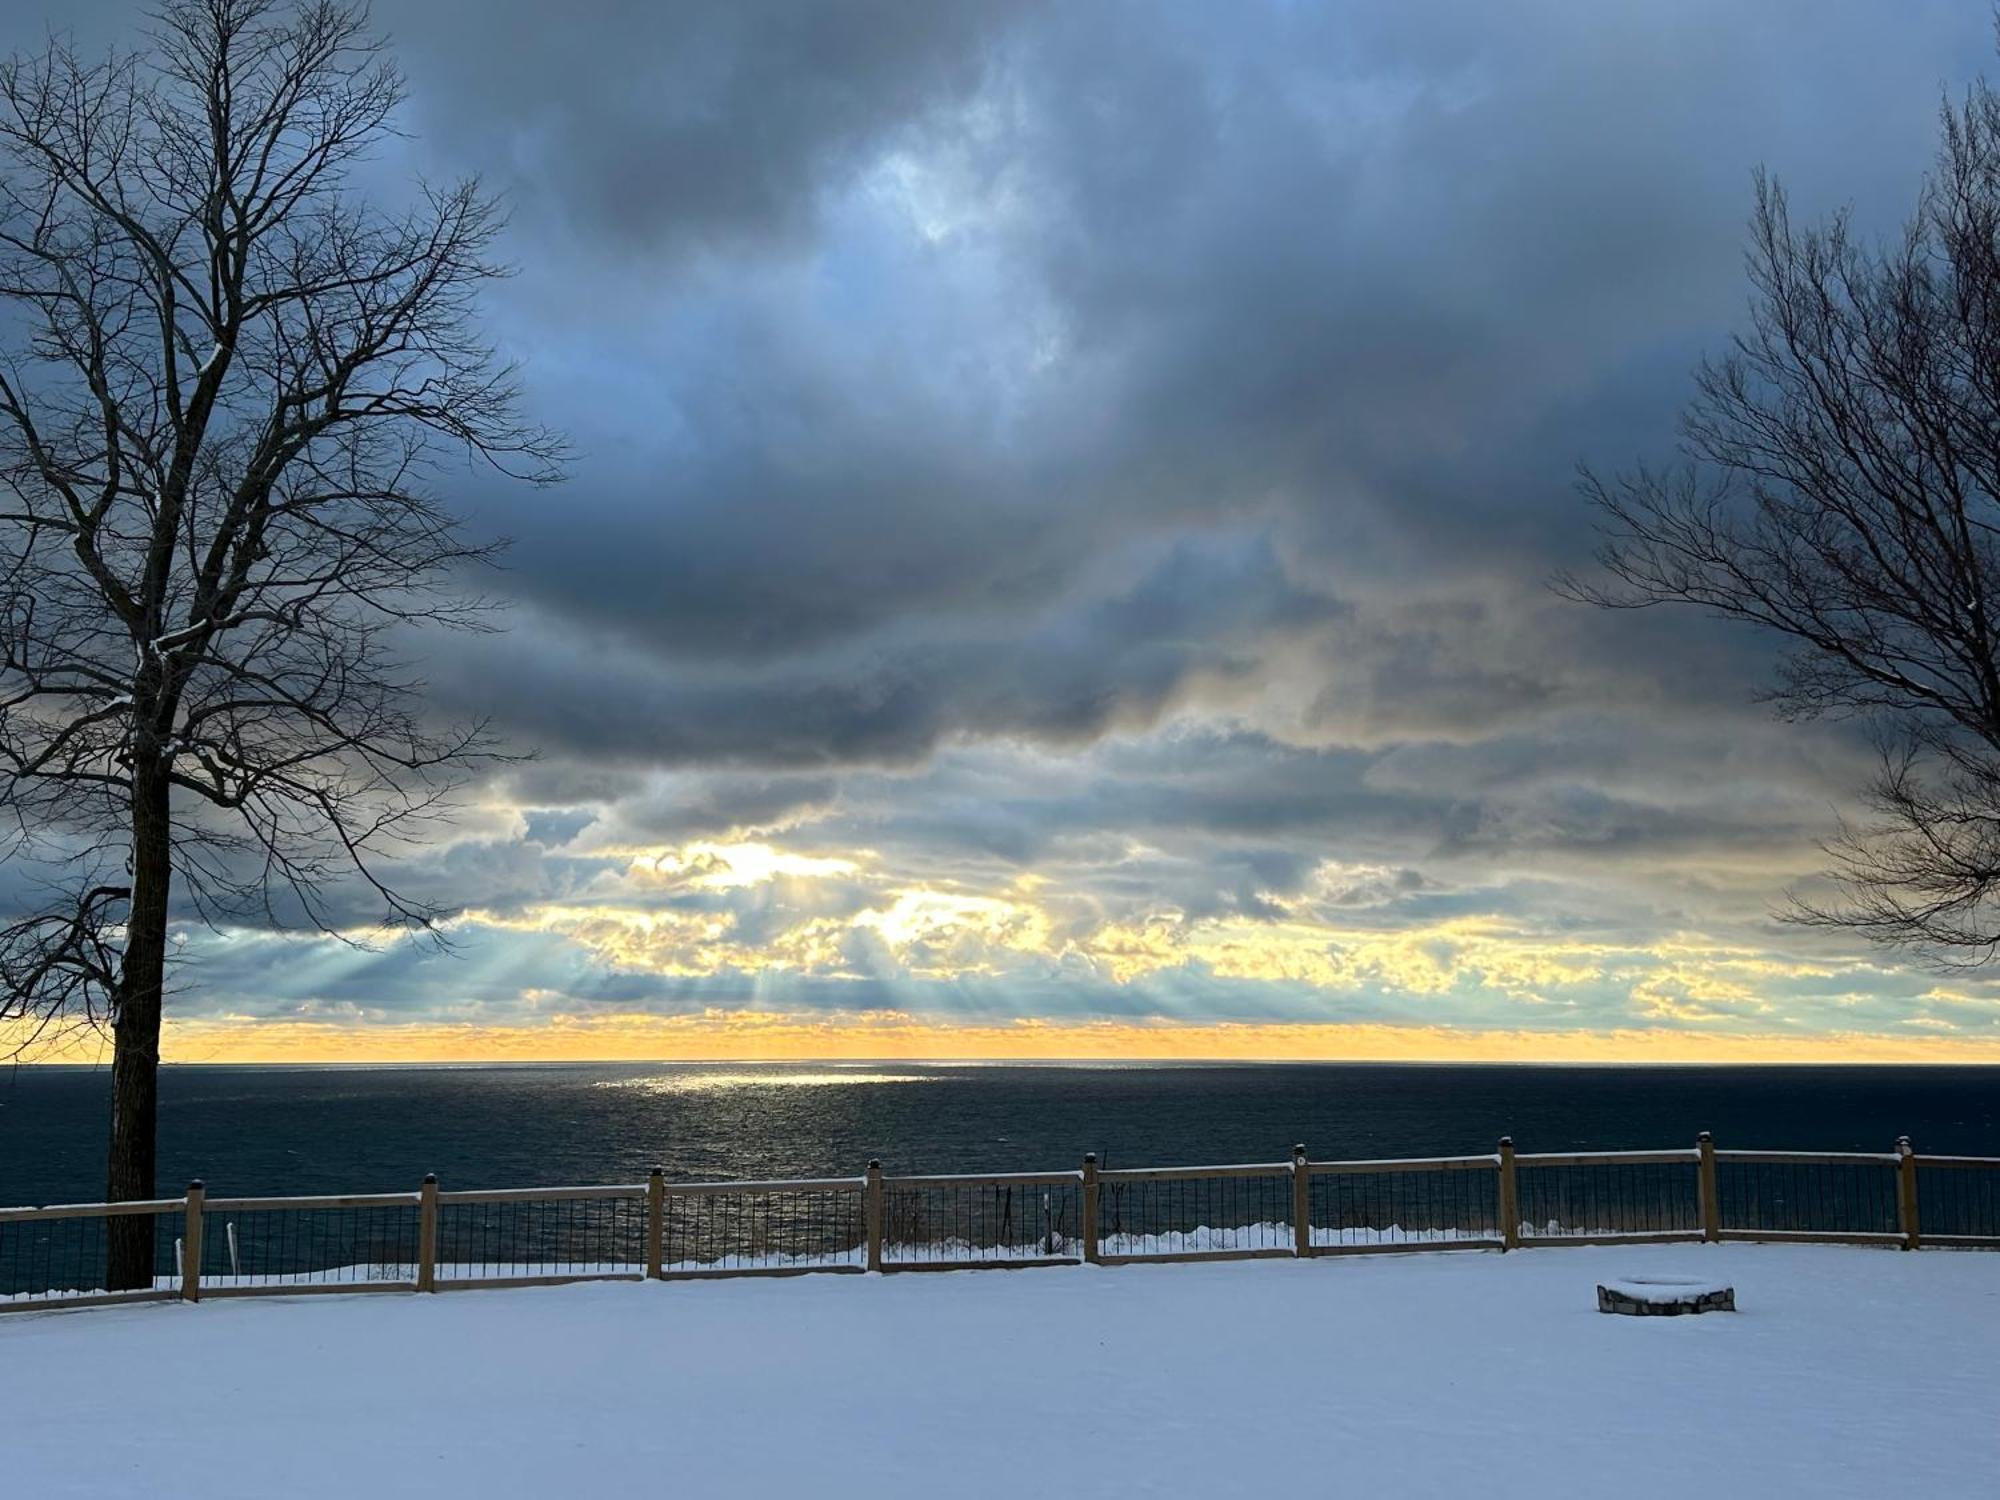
{"points": [[1063, 511]]}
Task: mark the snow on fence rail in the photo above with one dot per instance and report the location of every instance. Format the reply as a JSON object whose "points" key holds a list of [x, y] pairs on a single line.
{"points": [[435, 1240], [1433, 1203], [1193, 1213]]}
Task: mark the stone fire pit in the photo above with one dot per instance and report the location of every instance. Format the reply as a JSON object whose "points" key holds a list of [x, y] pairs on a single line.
{"points": [[1664, 1296]]}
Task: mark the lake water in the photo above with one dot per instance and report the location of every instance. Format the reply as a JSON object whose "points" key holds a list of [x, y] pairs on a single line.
{"points": [[259, 1130]]}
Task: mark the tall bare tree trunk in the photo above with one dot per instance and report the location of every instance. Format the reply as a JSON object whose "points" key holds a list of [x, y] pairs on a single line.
{"points": [[135, 1059], [215, 530]]}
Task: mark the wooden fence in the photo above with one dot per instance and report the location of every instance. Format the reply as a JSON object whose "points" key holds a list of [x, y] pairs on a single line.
{"points": [[433, 1240]]}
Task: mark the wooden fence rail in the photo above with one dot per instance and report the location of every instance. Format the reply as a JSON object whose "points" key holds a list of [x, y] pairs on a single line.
{"points": [[434, 1239]]}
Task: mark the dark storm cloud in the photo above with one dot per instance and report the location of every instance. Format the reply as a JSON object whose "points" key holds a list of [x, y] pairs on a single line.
{"points": [[723, 803], [700, 125], [888, 333], [1600, 798], [1199, 613], [1368, 280]]}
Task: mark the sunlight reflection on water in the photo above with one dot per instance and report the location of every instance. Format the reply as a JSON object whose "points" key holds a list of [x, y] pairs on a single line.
{"points": [[707, 1083]]}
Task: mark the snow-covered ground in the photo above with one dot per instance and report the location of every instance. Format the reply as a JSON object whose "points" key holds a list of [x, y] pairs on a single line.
{"points": [[1847, 1372]]}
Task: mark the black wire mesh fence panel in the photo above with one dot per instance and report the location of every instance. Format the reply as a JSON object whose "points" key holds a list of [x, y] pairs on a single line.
{"points": [[1429, 1207], [306, 1247], [791, 1230], [57, 1258], [980, 1224], [598, 1236], [1598, 1200], [1765, 1197], [1158, 1216], [1958, 1201]]}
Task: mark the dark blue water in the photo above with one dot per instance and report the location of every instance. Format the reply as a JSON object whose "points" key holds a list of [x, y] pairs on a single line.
{"points": [[316, 1130]]}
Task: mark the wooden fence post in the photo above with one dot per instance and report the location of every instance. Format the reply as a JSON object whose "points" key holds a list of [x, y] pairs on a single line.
{"points": [[656, 1221], [1090, 1249], [1510, 1202], [427, 1234], [1711, 1198], [1302, 1202], [191, 1244], [1906, 1192], [872, 1214]]}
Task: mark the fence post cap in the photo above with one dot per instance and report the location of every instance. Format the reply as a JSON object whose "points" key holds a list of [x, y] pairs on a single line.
{"points": [[1903, 1144], [1090, 1158], [874, 1164], [430, 1179], [1299, 1149], [1703, 1136], [657, 1172], [195, 1185], [1507, 1142]]}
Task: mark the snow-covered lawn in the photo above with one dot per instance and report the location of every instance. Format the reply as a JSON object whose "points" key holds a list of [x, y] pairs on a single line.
{"points": [[1847, 1372]]}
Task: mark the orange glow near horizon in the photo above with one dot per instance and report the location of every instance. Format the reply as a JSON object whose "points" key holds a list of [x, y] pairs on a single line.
{"points": [[721, 1036]]}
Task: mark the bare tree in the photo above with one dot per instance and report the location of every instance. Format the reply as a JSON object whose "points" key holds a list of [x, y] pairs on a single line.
{"points": [[1843, 490], [226, 378]]}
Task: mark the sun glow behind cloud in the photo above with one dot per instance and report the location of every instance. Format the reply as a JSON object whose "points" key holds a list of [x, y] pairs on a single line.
{"points": [[708, 911], [742, 950], [712, 866]]}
